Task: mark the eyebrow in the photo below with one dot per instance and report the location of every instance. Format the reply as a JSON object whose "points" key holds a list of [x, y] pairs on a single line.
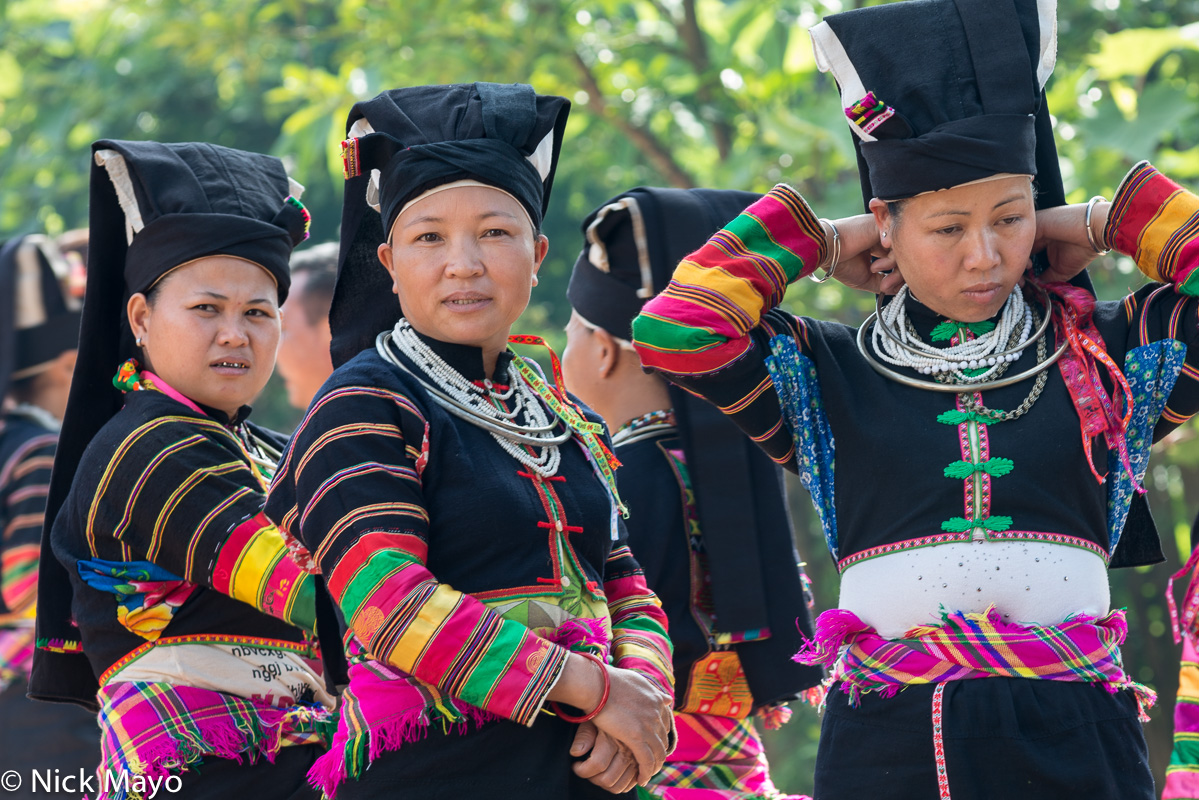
{"points": [[956, 213], [485, 215], [219, 296]]}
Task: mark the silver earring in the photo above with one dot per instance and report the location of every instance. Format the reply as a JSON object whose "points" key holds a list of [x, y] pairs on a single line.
{"points": [[534, 280], [883, 234], [138, 341]]}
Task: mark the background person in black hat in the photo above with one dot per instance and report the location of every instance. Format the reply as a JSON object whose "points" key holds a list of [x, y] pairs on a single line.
{"points": [[707, 513], [463, 512], [169, 602], [973, 450], [38, 333]]}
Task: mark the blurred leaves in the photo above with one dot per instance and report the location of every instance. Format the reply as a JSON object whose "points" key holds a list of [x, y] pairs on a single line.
{"points": [[719, 93]]}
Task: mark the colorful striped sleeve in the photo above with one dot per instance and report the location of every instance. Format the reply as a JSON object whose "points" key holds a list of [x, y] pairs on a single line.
{"points": [[700, 323], [1156, 222], [708, 330], [639, 638], [349, 490], [25, 481], [179, 493]]}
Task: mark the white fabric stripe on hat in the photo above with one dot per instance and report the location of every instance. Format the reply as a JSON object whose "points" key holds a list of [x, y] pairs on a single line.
{"points": [[597, 253], [1047, 23], [118, 172], [30, 302], [543, 157], [457, 185], [831, 56]]}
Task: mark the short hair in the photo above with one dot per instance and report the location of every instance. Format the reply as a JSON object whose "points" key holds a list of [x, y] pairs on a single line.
{"points": [[319, 263]]}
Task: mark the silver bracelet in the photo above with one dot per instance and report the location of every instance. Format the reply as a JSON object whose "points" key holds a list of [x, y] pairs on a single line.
{"points": [[836, 253], [1099, 251]]}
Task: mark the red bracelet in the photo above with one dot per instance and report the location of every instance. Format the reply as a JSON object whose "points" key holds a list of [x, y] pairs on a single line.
{"points": [[603, 698]]}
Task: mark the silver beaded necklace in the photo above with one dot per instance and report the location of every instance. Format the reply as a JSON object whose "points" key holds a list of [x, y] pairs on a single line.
{"points": [[483, 407], [897, 343]]}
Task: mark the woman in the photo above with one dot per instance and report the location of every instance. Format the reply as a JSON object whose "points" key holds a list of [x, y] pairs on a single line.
{"points": [[707, 514], [984, 466], [170, 602], [39, 329], [462, 512]]}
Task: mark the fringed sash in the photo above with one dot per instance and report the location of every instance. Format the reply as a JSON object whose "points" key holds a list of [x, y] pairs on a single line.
{"points": [[1097, 410], [717, 758], [16, 654], [972, 645], [383, 708], [159, 729]]}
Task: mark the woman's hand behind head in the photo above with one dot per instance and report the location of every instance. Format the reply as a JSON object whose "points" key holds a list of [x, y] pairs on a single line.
{"points": [[1062, 234], [864, 263], [210, 329]]}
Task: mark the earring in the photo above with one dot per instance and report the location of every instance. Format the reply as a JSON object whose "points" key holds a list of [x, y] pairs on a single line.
{"points": [[534, 280], [138, 341], [883, 235]]}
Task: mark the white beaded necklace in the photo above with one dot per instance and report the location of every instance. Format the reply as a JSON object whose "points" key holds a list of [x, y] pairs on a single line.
{"points": [[897, 343], [483, 406]]}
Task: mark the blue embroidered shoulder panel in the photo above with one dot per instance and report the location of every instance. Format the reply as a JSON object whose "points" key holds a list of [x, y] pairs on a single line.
{"points": [[1151, 371], [795, 380]]}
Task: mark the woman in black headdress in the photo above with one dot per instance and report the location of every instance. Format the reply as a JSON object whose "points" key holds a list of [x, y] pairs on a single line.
{"points": [[974, 449], [39, 328], [162, 566], [707, 512], [460, 509]]}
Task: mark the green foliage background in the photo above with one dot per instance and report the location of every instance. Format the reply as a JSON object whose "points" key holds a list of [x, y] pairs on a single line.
{"points": [[720, 93]]}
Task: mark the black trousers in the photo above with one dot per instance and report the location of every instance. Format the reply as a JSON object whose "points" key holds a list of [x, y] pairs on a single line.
{"points": [[44, 737], [225, 779], [499, 759], [1002, 737]]}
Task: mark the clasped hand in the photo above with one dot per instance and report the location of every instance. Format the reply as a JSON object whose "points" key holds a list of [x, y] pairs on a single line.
{"points": [[626, 744]]}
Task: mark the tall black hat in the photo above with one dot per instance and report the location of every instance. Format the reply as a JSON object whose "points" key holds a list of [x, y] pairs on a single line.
{"points": [[153, 207], [945, 92], [405, 142], [631, 246], [40, 318]]}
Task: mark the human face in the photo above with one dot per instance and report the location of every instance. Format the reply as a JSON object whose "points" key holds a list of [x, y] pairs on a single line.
{"points": [[303, 361], [463, 263], [211, 331], [961, 251], [581, 361]]}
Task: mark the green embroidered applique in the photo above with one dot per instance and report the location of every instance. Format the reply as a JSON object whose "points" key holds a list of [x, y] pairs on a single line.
{"points": [[995, 467], [956, 417], [961, 524], [948, 329]]}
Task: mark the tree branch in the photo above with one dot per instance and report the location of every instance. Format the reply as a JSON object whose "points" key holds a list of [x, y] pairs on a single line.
{"points": [[697, 49], [642, 139]]}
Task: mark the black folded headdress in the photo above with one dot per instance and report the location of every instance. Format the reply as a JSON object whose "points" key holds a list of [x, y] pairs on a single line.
{"points": [[153, 207], [42, 297], [945, 92], [406, 141], [631, 246]]}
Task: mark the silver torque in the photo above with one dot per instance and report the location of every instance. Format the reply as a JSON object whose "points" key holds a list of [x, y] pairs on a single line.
{"points": [[949, 387]]}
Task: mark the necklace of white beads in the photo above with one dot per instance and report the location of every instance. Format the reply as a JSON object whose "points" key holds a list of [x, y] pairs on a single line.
{"points": [[896, 341], [483, 406]]}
